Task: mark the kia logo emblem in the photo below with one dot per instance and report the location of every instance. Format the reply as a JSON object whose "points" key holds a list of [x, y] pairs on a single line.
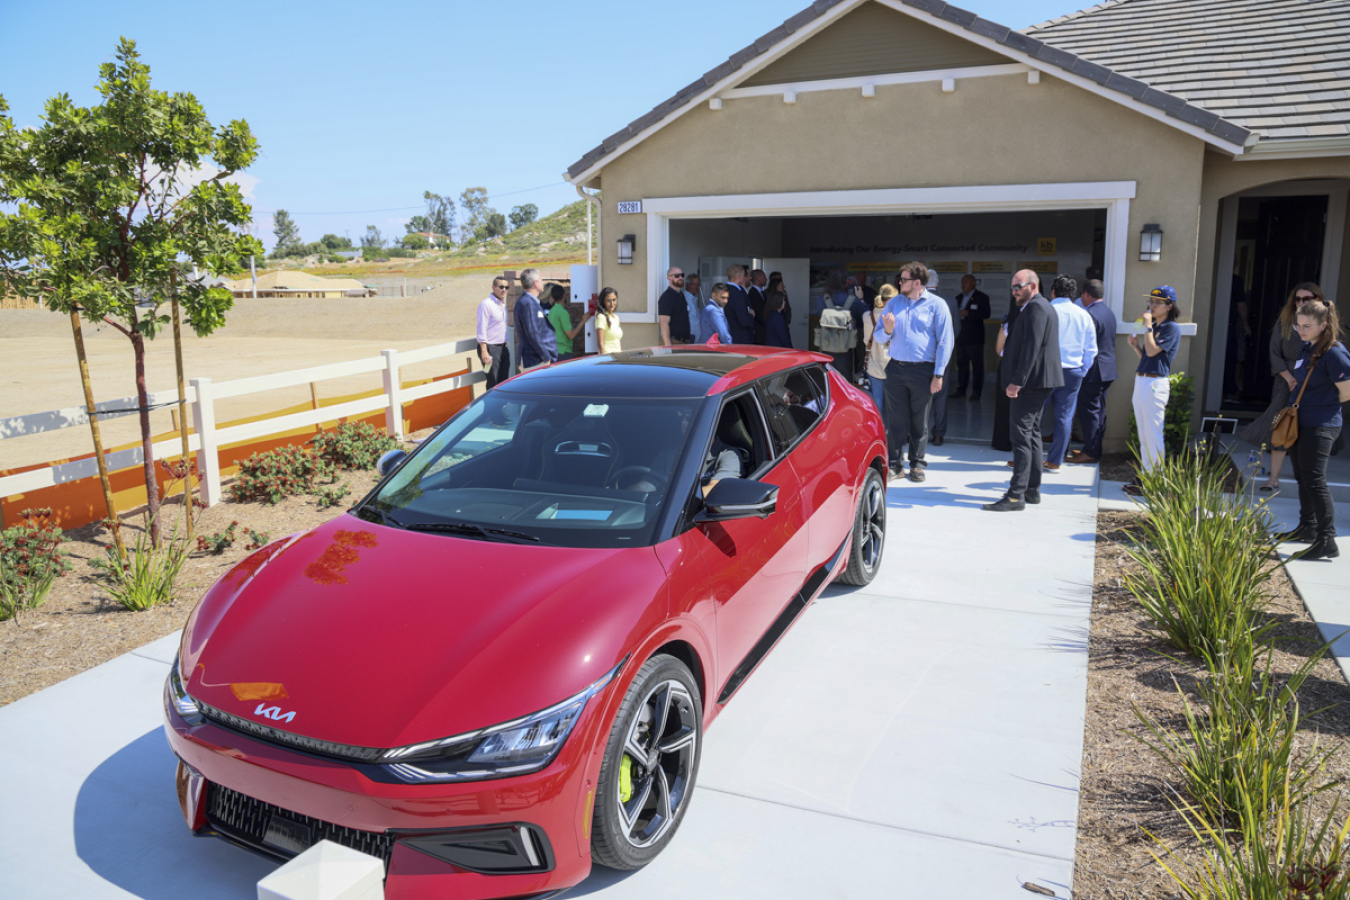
{"points": [[274, 713]]}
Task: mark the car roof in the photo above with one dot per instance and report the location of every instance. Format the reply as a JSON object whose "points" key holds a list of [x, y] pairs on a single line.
{"points": [[661, 372]]}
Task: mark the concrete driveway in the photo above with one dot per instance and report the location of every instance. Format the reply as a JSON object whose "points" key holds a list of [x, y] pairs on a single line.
{"points": [[920, 737]]}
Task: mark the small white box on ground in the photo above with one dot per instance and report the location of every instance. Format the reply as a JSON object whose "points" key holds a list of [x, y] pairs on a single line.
{"points": [[326, 871]]}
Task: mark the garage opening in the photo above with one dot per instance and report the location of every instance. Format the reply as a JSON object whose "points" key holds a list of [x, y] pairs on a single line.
{"points": [[990, 246]]}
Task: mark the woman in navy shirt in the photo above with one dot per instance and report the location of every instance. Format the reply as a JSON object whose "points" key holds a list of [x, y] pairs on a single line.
{"points": [[775, 323], [1325, 367], [1151, 387]]}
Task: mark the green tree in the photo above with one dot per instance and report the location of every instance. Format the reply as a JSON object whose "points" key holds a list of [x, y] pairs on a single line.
{"points": [[107, 200], [287, 232], [418, 224], [441, 213], [414, 242], [333, 242], [494, 225], [523, 215], [474, 202], [372, 239]]}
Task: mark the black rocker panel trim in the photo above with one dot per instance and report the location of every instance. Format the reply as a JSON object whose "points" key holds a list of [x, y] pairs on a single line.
{"points": [[814, 582]]}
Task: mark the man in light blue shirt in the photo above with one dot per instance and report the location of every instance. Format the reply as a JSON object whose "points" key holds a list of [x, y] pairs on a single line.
{"points": [[714, 317], [917, 326], [1077, 351], [693, 298]]}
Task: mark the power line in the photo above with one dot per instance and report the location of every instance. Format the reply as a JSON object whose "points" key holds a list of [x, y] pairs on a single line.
{"points": [[361, 212]]}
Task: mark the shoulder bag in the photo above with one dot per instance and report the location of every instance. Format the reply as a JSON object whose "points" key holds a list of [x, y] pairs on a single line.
{"points": [[1284, 427]]}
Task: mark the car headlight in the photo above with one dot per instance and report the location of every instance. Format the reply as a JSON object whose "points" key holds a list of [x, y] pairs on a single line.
{"points": [[517, 747], [182, 701]]}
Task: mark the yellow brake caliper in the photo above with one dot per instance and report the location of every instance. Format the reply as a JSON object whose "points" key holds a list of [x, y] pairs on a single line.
{"points": [[626, 779]]}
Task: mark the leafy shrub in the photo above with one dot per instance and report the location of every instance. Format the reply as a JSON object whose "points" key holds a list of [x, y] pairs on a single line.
{"points": [[1205, 558], [353, 445], [271, 476], [1237, 760], [146, 578], [331, 495], [1176, 418], [31, 559], [217, 542]]}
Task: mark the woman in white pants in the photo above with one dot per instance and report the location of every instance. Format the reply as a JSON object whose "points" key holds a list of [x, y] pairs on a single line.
{"points": [[1156, 351]]}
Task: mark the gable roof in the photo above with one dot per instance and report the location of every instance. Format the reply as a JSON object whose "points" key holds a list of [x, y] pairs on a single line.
{"points": [[1280, 68], [1017, 46]]}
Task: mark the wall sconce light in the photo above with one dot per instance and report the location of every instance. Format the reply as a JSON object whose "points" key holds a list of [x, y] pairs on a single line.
{"points": [[1150, 243], [626, 245]]}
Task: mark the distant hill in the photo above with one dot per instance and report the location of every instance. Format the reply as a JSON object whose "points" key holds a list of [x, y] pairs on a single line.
{"points": [[554, 240]]}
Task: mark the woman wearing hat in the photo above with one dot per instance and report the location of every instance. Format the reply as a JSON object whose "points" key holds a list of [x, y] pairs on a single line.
{"points": [[1156, 349]]}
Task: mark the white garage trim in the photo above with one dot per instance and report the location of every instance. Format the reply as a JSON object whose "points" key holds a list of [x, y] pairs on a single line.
{"points": [[1113, 196]]}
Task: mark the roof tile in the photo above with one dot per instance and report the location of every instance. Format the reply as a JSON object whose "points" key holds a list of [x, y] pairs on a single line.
{"points": [[990, 29]]}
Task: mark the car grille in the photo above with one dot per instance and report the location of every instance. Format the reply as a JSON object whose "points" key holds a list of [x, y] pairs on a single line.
{"points": [[346, 752], [246, 820]]}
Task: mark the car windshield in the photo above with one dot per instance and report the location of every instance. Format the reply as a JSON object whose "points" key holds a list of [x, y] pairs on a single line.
{"points": [[567, 471]]}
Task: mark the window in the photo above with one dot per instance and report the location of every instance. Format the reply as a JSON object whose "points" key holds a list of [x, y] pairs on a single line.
{"points": [[795, 400]]}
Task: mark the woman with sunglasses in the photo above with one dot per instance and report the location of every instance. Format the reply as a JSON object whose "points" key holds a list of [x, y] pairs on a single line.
{"points": [[1325, 366], [1156, 349], [1285, 349]]}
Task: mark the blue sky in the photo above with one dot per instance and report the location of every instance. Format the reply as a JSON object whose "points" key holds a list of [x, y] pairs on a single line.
{"points": [[359, 108]]}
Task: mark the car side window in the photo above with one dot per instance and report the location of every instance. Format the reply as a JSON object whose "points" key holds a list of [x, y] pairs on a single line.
{"points": [[795, 401], [740, 429]]}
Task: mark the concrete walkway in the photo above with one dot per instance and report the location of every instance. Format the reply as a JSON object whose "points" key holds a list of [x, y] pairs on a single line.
{"points": [[920, 737]]}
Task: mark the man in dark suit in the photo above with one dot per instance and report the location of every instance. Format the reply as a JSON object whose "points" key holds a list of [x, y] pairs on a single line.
{"points": [[758, 297], [1033, 373], [972, 309], [740, 315], [1091, 410], [536, 342]]}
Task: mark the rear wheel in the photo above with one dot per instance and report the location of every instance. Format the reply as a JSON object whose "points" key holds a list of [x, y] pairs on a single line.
{"points": [[650, 765], [869, 532]]}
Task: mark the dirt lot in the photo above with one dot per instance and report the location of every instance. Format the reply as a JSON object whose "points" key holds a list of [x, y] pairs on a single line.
{"points": [[39, 371]]}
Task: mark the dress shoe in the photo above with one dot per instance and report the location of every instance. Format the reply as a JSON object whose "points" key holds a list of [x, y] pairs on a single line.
{"points": [[897, 473], [1047, 438], [1302, 533], [1032, 496], [1012, 464], [936, 441], [916, 474], [1006, 504], [959, 395], [1078, 456], [1052, 468], [1324, 549], [1132, 488]]}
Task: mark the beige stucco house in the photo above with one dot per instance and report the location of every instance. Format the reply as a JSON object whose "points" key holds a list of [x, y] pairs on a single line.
{"points": [[864, 133]]}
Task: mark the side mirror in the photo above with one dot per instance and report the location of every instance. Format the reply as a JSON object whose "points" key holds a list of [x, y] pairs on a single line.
{"points": [[738, 498], [390, 461]]}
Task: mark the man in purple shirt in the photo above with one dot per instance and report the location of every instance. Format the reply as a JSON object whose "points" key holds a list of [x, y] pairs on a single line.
{"points": [[491, 335]]}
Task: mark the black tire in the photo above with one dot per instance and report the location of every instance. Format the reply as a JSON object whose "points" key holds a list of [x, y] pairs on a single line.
{"points": [[627, 832], [869, 532]]}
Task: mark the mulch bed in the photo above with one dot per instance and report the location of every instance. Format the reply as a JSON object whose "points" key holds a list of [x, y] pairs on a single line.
{"points": [[1126, 790]]}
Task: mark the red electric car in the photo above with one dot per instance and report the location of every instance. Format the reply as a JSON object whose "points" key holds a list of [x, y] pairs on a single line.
{"points": [[499, 666]]}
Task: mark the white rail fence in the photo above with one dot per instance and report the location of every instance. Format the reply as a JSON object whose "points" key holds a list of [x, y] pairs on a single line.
{"points": [[207, 437]]}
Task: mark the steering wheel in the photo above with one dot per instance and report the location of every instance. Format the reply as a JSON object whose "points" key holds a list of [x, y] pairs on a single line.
{"points": [[633, 473]]}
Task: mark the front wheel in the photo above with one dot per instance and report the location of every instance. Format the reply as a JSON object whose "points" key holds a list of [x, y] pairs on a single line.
{"points": [[869, 532], [650, 764]]}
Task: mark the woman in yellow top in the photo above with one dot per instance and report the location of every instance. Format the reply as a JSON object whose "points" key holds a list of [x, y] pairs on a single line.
{"points": [[608, 330]]}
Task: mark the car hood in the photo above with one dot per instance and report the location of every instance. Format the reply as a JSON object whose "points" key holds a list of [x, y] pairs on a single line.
{"points": [[379, 637]]}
